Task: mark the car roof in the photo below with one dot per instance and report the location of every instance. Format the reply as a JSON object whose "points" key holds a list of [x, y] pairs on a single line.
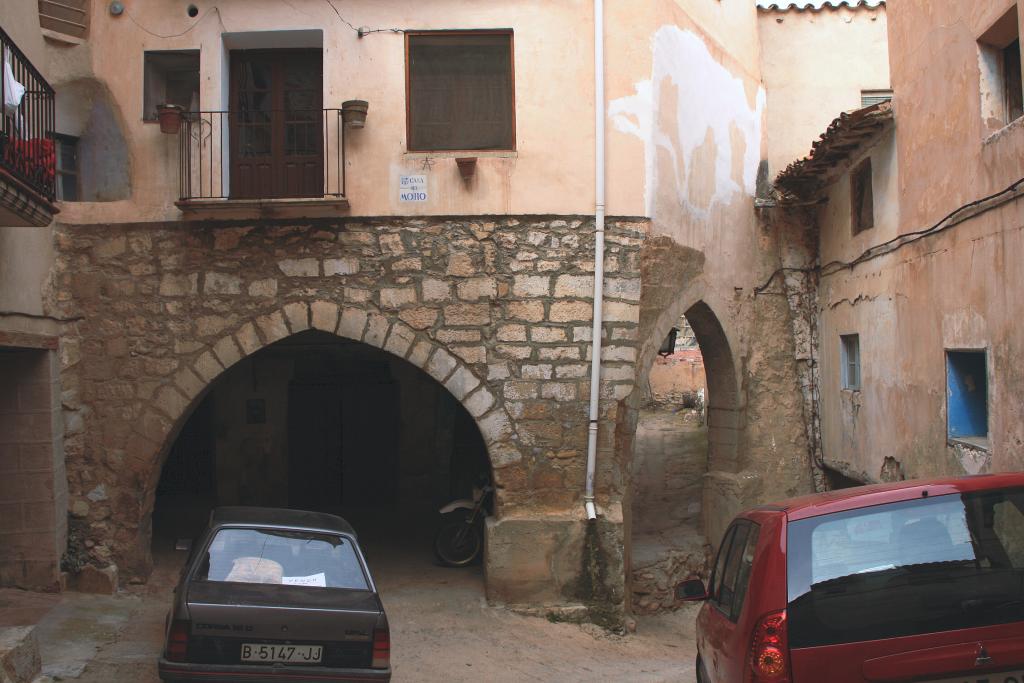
{"points": [[878, 494], [280, 517]]}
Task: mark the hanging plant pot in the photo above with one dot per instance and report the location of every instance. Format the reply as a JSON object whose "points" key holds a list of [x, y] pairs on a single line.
{"points": [[169, 116], [353, 113], [467, 166]]}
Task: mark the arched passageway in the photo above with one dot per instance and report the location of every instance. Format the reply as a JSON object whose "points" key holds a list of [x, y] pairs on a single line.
{"points": [[316, 421], [687, 426]]}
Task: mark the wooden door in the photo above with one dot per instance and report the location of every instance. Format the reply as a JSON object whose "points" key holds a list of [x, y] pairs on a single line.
{"points": [[277, 124]]}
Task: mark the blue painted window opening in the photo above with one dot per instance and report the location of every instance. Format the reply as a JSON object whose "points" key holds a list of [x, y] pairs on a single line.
{"points": [[967, 393], [850, 358]]}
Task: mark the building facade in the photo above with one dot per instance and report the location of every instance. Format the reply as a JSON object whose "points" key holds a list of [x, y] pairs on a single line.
{"points": [[253, 301]]}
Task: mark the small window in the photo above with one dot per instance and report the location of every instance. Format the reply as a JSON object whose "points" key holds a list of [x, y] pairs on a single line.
{"points": [[723, 555], [967, 394], [850, 359], [170, 77], [870, 97], [746, 566], [460, 91], [862, 198], [1002, 96], [67, 168]]}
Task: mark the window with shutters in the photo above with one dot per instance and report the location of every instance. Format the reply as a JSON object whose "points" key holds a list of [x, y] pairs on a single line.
{"points": [[460, 91], [65, 17]]}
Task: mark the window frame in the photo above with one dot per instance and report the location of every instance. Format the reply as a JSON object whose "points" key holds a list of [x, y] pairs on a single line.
{"points": [[409, 36], [743, 569], [949, 361], [844, 362], [994, 44]]}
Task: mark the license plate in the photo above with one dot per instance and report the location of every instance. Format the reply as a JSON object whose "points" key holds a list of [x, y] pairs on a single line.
{"points": [[1003, 677], [288, 654]]}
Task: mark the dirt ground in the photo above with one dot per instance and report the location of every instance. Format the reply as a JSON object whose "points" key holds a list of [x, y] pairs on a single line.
{"points": [[441, 630]]}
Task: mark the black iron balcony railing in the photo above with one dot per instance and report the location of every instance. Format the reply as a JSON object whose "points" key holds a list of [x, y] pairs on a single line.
{"points": [[262, 154], [27, 149]]}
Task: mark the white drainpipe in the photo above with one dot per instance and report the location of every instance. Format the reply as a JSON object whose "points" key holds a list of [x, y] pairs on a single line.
{"points": [[595, 361]]}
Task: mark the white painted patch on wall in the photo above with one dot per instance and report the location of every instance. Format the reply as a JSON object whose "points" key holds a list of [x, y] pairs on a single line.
{"points": [[708, 96]]}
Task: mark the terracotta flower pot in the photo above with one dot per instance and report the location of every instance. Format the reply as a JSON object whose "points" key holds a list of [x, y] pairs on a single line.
{"points": [[353, 112], [169, 116]]}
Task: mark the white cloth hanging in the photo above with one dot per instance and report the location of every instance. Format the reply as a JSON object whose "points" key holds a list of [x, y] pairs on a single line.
{"points": [[13, 90]]}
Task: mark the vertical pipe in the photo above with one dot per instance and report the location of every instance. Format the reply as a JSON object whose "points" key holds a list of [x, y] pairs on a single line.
{"points": [[599, 209]]}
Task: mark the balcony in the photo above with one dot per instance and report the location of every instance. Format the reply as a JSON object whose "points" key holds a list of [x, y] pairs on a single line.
{"points": [[28, 160], [262, 163]]}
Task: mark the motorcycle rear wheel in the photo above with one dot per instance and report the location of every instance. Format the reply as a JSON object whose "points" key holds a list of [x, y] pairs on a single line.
{"points": [[458, 543]]}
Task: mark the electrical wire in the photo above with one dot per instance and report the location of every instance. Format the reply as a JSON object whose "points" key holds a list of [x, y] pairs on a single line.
{"points": [[178, 35], [900, 241], [362, 31]]}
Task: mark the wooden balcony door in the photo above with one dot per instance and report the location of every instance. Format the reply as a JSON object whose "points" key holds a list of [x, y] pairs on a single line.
{"points": [[277, 124]]}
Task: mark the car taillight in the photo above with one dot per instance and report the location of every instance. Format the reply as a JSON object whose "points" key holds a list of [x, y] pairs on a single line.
{"points": [[177, 641], [381, 648], [769, 650]]}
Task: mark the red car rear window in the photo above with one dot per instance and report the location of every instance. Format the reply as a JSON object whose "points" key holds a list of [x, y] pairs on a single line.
{"points": [[922, 566]]}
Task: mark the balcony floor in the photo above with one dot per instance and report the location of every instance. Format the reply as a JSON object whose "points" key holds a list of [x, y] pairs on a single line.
{"points": [[256, 209]]}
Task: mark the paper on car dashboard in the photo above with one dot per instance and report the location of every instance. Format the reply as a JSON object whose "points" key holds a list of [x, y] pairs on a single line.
{"points": [[315, 580]]}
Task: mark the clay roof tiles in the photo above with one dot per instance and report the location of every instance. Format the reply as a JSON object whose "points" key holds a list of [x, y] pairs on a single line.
{"points": [[845, 136], [816, 5]]}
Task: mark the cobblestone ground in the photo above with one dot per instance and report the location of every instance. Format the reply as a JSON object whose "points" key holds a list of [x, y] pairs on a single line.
{"points": [[442, 630]]}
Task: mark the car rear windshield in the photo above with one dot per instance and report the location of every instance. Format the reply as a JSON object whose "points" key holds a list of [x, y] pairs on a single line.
{"points": [[288, 558], [922, 566]]}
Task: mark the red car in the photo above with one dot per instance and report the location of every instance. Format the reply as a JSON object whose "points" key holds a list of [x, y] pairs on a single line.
{"points": [[919, 581]]}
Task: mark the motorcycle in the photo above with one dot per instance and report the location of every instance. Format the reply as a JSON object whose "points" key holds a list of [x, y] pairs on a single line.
{"points": [[459, 540]]}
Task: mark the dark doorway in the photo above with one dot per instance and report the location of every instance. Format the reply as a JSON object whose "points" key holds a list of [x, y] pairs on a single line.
{"points": [[276, 124], [317, 422]]}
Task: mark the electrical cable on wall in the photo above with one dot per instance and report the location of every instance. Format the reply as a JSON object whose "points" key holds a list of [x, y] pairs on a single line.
{"points": [[900, 241], [362, 30], [178, 35]]}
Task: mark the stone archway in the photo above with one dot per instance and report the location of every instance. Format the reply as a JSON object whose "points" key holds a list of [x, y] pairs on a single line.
{"points": [[175, 400], [670, 454]]}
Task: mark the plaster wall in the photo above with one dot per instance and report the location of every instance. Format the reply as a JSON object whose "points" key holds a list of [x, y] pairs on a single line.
{"points": [[26, 254], [815, 64], [550, 171], [955, 290], [949, 154]]}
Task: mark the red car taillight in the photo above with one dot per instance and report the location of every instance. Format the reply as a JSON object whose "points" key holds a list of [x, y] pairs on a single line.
{"points": [[769, 650], [177, 641], [381, 648]]}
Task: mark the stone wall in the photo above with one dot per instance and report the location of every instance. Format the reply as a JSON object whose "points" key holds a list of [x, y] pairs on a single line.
{"points": [[498, 310]]}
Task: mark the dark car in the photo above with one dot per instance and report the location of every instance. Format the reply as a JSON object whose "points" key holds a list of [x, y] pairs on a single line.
{"points": [[276, 595], [917, 581]]}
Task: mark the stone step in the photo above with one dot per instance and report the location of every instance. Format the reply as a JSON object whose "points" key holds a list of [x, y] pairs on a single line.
{"points": [[19, 655]]}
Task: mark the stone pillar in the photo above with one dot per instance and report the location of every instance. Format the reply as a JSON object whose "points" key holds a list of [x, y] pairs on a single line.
{"points": [[33, 486]]}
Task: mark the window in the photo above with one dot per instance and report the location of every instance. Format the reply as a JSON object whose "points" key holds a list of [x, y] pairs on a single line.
{"points": [[862, 200], [928, 565], [967, 394], [870, 97], [850, 359], [67, 168], [460, 91], [287, 558], [1002, 98], [68, 17], [170, 77], [732, 568]]}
